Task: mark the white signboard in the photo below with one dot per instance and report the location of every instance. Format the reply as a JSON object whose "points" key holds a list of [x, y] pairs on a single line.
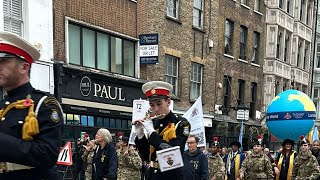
{"points": [[139, 109], [243, 114], [169, 158], [195, 116], [148, 50]]}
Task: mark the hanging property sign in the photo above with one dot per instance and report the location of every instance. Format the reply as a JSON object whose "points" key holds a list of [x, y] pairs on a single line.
{"points": [[149, 48]]}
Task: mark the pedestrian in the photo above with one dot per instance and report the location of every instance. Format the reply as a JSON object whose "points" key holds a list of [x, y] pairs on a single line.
{"points": [[105, 161], [163, 129], [30, 126], [305, 165], [129, 161], [223, 153], [316, 149], [233, 161], [257, 164], [267, 152], [285, 160], [87, 158], [216, 166], [195, 161]]}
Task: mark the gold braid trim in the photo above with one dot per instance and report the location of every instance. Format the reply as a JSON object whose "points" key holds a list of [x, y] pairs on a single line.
{"points": [[168, 133], [31, 126]]}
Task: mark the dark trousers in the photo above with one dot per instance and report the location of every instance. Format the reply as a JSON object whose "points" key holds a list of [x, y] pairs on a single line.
{"points": [[156, 174], [30, 174]]}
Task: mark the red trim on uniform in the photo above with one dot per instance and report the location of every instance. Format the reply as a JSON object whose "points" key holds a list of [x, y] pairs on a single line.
{"points": [[163, 92], [17, 51]]}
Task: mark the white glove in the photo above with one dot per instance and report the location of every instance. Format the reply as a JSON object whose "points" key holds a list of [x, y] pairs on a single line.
{"points": [[148, 126], [139, 131]]}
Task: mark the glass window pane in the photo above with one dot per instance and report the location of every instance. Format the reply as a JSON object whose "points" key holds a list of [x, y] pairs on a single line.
{"points": [[315, 94], [129, 124], [88, 48], [116, 55], [124, 124], [112, 123], [103, 51], [84, 120], [128, 57], [118, 123], [90, 121], [74, 44], [106, 122], [99, 122]]}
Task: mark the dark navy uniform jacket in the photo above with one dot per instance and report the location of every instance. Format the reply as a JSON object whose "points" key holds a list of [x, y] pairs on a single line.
{"points": [[41, 152], [155, 139], [105, 163]]}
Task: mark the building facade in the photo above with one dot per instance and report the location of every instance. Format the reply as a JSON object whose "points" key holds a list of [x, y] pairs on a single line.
{"points": [[316, 71], [212, 52], [289, 48], [96, 69], [18, 16]]}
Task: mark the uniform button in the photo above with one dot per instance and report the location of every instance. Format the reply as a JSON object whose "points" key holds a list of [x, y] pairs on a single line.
{"points": [[3, 118], [7, 103]]}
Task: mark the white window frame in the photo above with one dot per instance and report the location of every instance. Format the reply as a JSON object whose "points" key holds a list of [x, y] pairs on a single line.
{"points": [[171, 8], [244, 2], [11, 16], [316, 93], [200, 11], [255, 48], [196, 81], [256, 6], [172, 76], [228, 36], [243, 42]]}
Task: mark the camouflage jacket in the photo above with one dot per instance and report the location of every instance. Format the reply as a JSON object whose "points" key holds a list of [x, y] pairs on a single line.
{"points": [[305, 167], [216, 167], [129, 165], [257, 166]]}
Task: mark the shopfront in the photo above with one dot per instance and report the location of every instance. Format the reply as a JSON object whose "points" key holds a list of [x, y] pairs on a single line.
{"points": [[92, 100]]}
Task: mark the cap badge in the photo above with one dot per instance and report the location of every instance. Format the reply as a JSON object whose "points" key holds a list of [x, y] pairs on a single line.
{"points": [[153, 91]]}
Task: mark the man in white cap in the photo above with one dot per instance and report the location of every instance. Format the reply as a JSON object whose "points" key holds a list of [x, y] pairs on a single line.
{"points": [[30, 120], [166, 130]]}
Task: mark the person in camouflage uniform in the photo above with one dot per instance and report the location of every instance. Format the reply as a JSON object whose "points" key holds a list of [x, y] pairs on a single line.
{"points": [[129, 161], [305, 165], [256, 165], [215, 163], [87, 157]]}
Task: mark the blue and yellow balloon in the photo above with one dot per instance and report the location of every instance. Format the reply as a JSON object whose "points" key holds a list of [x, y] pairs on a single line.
{"points": [[290, 114]]}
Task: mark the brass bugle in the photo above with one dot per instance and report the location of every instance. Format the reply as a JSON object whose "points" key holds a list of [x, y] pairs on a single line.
{"points": [[150, 119]]}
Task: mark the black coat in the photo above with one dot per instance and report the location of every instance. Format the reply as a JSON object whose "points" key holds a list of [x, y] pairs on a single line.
{"points": [[41, 152], [155, 139], [105, 163], [195, 166]]}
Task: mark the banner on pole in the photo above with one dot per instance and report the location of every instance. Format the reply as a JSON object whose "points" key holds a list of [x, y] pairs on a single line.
{"points": [[195, 117]]}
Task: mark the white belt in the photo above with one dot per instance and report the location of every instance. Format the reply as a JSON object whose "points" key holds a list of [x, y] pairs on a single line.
{"points": [[7, 167]]}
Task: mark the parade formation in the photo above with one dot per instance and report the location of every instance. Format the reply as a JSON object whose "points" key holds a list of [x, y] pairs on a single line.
{"points": [[159, 90]]}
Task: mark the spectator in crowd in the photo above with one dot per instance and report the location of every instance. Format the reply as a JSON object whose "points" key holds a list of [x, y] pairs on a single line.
{"points": [[129, 161], [316, 149], [87, 158], [267, 152], [285, 160], [195, 162], [105, 161], [223, 153]]}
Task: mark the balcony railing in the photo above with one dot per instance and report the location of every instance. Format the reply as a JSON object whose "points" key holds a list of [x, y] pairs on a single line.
{"points": [[302, 30], [277, 68], [277, 16]]}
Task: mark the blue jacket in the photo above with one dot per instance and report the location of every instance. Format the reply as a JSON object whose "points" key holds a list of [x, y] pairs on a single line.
{"points": [[195, 166], [105, 163]]}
